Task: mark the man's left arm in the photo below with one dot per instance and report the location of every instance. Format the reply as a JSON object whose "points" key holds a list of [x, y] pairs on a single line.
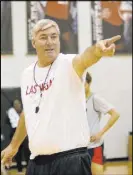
{"points": [[93, 54]]}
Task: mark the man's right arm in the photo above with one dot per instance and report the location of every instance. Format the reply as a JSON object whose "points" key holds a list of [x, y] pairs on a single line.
{"points": [[10, 151]]}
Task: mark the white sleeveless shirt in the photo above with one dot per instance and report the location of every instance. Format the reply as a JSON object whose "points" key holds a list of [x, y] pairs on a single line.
{"points": [[61, 123], [96, 106]]}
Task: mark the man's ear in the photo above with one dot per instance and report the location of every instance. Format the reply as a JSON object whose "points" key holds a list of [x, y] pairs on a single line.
{"points": [[33, 43]]}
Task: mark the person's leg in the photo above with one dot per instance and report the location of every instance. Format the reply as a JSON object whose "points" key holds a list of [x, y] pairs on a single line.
{"points": [[96, 169], [26, 154], [26, 150], [97, 161], [18, 159]]}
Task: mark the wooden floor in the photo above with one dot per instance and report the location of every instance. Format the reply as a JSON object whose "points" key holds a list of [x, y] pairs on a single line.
{"points": [[118, 168], [110, 168]]}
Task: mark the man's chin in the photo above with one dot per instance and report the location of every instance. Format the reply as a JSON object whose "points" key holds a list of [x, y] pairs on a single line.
{"points": [[51, 57]]}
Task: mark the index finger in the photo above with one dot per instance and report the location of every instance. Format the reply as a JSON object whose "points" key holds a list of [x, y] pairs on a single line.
{"points": [[114, 39]]}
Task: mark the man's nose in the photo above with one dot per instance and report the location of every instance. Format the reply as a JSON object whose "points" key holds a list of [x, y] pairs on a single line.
{"points": [[49, 40]]}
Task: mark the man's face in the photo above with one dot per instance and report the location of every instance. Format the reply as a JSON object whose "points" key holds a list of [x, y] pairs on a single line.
{"points": [[47, 43], [17, 106]]}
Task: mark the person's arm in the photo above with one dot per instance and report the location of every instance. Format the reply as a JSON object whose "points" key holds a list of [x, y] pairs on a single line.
{"points": [[93, 54], [104, 107], [114, 115], [113, 118], [10, 151]]}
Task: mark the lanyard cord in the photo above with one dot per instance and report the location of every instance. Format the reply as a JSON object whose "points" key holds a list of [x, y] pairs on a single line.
{"points": [[37, 107]]}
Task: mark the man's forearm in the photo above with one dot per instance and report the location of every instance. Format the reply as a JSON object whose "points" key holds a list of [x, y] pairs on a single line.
{"points": [[20, 132], [90, 56]]}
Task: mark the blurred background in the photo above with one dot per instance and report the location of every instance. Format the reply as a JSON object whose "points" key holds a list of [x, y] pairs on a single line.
{"points": [[81, 24]]}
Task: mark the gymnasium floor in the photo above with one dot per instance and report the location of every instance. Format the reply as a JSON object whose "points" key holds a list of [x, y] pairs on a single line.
{"points": [[111, 168]]}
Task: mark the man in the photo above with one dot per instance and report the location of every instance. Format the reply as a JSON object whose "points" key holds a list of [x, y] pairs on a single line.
{"points": [[57, 130], [96, 107], [13, 115]]}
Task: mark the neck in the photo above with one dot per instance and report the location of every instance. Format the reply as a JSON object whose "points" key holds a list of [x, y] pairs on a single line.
{"points": [[44, 61], [44, 64], [88, 94]]}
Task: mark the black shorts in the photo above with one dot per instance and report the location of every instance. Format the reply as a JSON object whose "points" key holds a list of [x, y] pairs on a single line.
{"points": [[72, 162], [97, 155]]}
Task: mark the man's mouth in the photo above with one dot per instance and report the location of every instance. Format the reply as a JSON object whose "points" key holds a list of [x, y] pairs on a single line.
{"points": [[49, 50]]}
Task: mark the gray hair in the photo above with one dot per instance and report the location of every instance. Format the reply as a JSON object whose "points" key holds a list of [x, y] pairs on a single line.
{"points": [[44, 24]]}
